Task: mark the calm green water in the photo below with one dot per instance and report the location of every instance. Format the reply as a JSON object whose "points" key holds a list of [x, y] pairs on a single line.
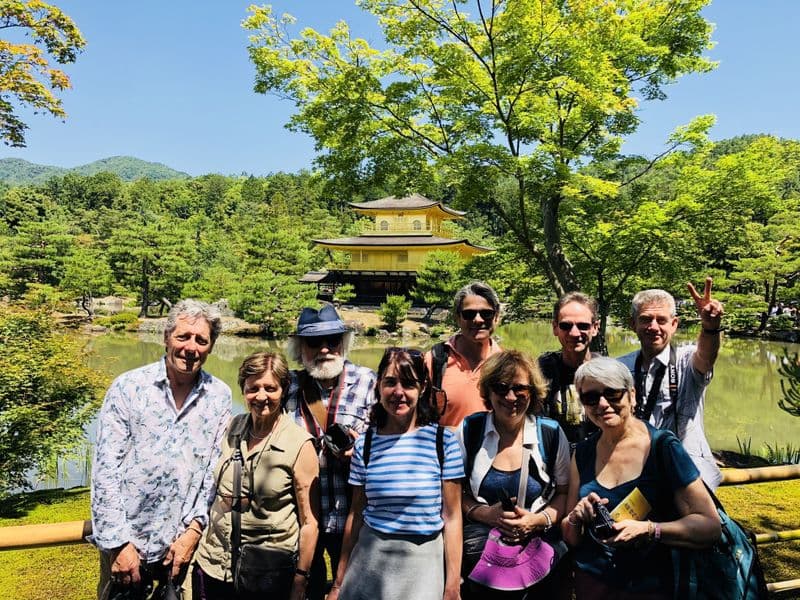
{"points": [[742, 400]]}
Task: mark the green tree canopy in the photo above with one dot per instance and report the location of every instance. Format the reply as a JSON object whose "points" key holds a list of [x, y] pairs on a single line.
{"points": [[26, 77], [480, 92]]}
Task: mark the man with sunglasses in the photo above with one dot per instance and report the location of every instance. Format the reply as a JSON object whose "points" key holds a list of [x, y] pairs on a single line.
{"points": [[671, 381], [331, 398], [575, 324], [455, 365]]}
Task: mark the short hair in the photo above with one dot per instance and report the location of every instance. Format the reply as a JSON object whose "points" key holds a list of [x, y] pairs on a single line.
{"points": [[194, 309], [259, 363], [503, 367], [294, 347], [606, 371], [578, 297], [411, 367], [476, 288], [654, 296]]}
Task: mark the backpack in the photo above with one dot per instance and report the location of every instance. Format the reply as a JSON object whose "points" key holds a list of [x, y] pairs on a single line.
{"points": [[439, 353], [547, 430], [728, 570]]}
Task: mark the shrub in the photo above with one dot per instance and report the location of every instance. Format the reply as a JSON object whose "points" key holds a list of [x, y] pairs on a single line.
{"points": [[47, 395], [394, 311], [119, 321]]}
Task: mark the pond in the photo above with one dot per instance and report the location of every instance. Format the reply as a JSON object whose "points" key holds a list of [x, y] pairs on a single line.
{"points": [[741, 403]]}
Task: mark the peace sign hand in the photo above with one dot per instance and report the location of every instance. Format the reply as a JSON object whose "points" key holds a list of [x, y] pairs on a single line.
{"points": [[709, 310]]}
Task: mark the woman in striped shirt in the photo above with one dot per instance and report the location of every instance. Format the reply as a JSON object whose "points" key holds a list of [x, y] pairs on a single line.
{"points": [[402, 538]]}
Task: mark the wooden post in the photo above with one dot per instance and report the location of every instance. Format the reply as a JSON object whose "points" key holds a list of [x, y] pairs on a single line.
{"points": [[19, 537]]}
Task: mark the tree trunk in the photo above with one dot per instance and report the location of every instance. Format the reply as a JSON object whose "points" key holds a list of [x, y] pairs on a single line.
{"points": [[599, 343], [562, 274], [145, 290]]}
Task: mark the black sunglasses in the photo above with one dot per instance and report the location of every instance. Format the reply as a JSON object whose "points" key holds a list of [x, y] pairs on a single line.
{"points": [[330, 341], [567, 326], [487, 314], [520, 390], [593, 398]]}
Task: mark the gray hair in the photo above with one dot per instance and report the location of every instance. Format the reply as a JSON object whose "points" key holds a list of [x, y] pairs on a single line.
{"points": [[476, 288], [294, 347], [646, 297], [578, 297], [194, 309], [606, 371]]}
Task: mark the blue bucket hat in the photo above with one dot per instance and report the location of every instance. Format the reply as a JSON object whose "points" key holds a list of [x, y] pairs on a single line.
{"points": [[325, 321]]}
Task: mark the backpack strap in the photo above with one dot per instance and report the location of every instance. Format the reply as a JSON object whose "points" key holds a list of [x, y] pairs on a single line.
{"points": [[367, 445], [439, 353], [474, 426], [548, 433]]}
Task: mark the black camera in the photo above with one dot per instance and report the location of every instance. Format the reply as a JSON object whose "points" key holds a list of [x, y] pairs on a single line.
{"points": [[338, 439], [603, 524], [505, 500]]}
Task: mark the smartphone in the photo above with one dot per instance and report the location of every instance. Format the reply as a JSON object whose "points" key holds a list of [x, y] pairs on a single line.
{"points": [[505, 500]]}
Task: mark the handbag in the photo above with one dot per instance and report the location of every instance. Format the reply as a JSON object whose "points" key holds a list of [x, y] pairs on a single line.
{"points": [[509, 566], [256, 568]]}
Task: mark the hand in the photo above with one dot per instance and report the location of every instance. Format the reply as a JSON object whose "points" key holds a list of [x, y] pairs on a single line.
{"points": [[523, 524], [630, 532], [299, 588], [451, 593], [710, 311], [333, 594], [584, 509], [125, 565], [181, 550]]}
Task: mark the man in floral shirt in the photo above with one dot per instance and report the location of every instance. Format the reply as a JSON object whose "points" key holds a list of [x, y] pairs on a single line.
{"points": [[158, 440]]}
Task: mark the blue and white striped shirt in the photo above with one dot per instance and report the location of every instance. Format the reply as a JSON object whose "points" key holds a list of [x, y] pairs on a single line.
{"points": [[403, 483]]}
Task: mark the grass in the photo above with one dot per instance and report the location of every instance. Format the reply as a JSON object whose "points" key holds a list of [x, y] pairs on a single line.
{"points": [[70, 572]]}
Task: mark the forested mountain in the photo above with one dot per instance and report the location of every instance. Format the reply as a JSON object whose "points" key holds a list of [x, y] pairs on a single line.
{"points": [[16, 171]]}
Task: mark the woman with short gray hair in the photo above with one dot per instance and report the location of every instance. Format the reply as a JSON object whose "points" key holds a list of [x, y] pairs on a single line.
{"points": [[643, 480]]}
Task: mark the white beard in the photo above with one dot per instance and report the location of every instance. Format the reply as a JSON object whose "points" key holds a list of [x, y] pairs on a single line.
{"points": [[325, 369]]}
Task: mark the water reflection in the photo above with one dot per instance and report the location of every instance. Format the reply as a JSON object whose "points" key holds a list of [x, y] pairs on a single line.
{"points": [[742, 401]]}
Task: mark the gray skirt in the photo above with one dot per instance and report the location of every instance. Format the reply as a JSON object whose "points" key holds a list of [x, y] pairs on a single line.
{"points": [[394, 567]]}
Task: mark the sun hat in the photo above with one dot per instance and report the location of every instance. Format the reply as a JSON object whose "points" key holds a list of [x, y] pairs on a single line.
{"points": [[325, 321]]}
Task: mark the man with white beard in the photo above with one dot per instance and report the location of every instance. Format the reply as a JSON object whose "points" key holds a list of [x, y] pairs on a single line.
{"points": [[330, 397]]}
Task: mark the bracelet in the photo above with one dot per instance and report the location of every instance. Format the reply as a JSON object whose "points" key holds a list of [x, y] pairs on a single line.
{"points": [[335, 586], [197, 529], [549, 522], [657, 532], [650, 532], [303, 573], [470, 510], [713, 331]]}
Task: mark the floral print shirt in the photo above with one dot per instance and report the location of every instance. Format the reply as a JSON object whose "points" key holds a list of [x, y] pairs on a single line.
{"points": [[152, 472]]}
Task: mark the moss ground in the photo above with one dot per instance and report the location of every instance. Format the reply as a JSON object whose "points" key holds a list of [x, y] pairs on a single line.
{"points": [[70, 572]]}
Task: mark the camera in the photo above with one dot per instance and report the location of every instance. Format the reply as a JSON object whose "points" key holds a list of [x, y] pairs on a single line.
{"points": [[603, 524], [338, 439], [505, 500]]}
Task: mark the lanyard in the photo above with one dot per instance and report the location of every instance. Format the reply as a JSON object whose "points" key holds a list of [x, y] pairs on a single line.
{"points": [[313, 413], [645, 409]]}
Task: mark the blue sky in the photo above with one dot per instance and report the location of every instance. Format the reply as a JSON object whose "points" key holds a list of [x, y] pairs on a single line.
{"points": [[170, 81]]}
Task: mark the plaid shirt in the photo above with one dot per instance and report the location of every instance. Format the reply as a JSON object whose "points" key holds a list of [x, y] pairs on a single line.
{"points": [[357, 397]]}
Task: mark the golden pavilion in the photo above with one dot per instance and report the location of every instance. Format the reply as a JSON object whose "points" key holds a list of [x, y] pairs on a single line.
{"points": [[384, 259]]}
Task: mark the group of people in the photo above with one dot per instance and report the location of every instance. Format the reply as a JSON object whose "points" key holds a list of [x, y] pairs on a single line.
{"points": [[442, 475]]}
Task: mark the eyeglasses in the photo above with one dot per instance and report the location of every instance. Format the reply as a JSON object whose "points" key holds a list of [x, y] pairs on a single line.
{"points": [[611, 395], [520, 390], [567, 326], [487, 314], [330, 341]]}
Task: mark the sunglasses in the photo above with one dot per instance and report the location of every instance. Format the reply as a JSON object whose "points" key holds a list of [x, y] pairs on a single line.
{"points": [[567, 326], [487, 314], [520, 390], [611, 395], [330, 341]]}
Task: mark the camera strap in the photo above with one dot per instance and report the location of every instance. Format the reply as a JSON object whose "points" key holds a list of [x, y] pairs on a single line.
{"points": [[316, 416]]}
